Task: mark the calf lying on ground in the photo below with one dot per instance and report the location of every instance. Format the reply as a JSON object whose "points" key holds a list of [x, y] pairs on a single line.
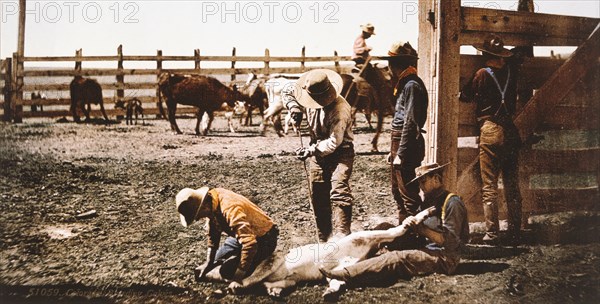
{"points": [[132, 107], [302, 263]]}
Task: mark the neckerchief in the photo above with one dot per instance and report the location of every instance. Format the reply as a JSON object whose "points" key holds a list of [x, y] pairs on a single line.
{"points": [[411, 70]]}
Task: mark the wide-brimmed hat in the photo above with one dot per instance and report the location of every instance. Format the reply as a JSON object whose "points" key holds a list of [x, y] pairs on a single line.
{"points": [[427, 169], [318, 88], [400, 50], [188, 202], [494, 45], [369, 28]]}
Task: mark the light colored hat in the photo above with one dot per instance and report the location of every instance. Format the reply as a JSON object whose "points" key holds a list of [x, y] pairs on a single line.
{"points": [[188, 202], [318, 88], [369, 28], [427, 169], [494, 45], [399, 50]]}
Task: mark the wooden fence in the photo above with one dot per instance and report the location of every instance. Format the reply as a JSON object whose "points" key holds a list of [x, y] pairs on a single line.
{"points": [[13, 107], [560, 173]]}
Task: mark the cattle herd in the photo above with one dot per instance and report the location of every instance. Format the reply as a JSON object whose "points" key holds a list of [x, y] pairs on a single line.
{"points": [[369, 94]]}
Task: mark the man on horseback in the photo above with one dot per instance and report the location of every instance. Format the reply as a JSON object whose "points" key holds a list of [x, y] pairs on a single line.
{"points": [[360, 49]]}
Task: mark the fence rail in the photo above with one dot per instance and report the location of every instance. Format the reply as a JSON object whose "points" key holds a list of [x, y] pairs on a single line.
{"points": [[14, 106]]}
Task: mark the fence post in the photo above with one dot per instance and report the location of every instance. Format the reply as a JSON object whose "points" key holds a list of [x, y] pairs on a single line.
{"points": [[266, 69], [120, 77], [158, 72], [302, 61], [8, 77], [197, 60], [17, 96], [233, 65], [78, 54], [336, 60]]}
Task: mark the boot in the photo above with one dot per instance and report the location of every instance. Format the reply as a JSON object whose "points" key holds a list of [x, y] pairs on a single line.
{"points": [[343, 218], [490, 212], [322, 209]]}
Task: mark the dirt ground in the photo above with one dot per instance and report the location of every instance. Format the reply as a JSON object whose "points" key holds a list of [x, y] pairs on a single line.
{"points": [[87, 214]]}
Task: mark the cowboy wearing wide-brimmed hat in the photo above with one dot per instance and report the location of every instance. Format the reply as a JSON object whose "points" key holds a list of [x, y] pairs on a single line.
{"points": [[446, 232], [410, 112], [252, 235], [494, 90], [360, 49], [331, 149]]}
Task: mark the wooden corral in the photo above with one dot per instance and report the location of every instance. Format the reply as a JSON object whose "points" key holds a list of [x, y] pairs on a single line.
{"points": [[57, 80], [562, 171]]}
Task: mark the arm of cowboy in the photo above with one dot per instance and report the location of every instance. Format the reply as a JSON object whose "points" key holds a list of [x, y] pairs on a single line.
{"points": [[304, 153], [290, 102], [239, 223], [434, 235]]}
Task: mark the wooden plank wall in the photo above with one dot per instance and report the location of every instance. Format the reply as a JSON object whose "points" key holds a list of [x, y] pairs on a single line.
{"points": [[556, 174]]}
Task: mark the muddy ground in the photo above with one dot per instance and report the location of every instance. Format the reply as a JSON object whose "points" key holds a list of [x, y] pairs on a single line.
{"points": [[130, 248]]}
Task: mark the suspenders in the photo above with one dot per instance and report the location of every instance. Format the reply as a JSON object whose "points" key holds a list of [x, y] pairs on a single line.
{"points": [[445, 203], [502, 91]]}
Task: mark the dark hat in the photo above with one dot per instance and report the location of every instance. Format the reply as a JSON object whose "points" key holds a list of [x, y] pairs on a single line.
{"points": [[427, 169], [318, 88], [494, 45], [400, 50], [369, 28]]}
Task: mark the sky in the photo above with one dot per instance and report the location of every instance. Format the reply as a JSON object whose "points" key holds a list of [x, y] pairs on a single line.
{"points": [[58, 28]]}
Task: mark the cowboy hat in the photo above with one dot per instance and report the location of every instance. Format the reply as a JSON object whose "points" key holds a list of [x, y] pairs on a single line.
{"points": [[427, 169], [188, 203], [494, 45], [369, 28], [399, 50], [318, 88]]}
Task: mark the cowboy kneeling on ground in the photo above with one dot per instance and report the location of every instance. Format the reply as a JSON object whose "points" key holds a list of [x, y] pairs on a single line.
{"points": [[252, 235]]}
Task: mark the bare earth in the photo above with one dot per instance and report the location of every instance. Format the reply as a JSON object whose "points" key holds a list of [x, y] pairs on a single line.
{"points": [[131, 248]]}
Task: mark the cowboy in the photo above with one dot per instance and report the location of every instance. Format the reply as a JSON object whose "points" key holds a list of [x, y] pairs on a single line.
{"points": [[252, 235], [494, 90], [331, 149], [360, 49], [447, 231], [410, 112]]}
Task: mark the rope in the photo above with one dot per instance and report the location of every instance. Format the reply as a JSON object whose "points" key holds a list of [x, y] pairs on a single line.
{"points": [[309, 191]]}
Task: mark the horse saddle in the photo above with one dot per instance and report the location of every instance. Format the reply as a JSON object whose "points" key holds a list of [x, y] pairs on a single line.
{"points": [[363, 88]]}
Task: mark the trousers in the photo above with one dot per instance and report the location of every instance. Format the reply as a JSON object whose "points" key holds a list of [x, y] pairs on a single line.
{"points": [[499, 154]]}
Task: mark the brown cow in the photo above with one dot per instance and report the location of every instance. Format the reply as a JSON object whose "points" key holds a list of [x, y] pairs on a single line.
{"points": [[205, 93], [255, 89], [85, 91]]}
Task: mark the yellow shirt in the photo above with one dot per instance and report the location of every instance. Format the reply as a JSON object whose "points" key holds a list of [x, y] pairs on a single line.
{"points": [[238, 217]]}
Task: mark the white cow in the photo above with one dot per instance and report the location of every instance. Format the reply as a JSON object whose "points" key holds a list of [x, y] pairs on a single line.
{"points": [[274, 86], [302, 264]]}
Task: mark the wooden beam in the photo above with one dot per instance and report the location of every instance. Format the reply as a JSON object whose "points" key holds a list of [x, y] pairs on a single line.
{"points": [[566, 117], [445, 130], [439, 64], [559, 85], [524, 28], [427, 64], [539, 107], [534, 71]]}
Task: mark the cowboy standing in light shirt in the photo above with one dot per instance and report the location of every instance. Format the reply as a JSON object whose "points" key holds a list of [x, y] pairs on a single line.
{"points": [[331, 149]]}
